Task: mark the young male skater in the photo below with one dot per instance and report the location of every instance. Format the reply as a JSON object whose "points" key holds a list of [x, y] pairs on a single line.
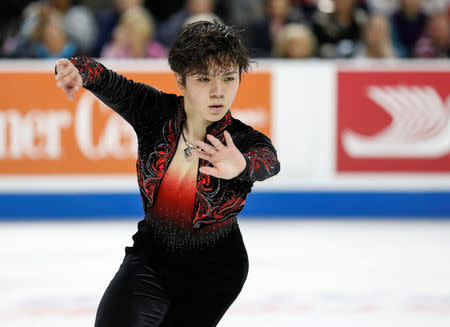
{"points": [[196, 165]]}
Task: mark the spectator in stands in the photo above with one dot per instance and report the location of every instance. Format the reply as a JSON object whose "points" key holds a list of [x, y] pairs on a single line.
{"points": [[407, 24], [262, 32], [377, 40], [134, 37], [294, 41], [48, 38], [108, 20], [435, 42], [388, 7], [77, 22], [383, 7], [170, 30], [244, 10], [307, 7], [432, 7], [240, 12], [81, 27], [339, 32], [10, 22]]}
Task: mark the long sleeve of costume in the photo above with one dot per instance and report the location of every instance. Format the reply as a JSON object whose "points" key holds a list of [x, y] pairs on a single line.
{"points": [[261, 158], [129, 99]]}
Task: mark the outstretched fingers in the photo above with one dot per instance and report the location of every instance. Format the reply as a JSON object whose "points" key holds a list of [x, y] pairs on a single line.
{"points": [[228, 138], [206, 147], [214, 141]]}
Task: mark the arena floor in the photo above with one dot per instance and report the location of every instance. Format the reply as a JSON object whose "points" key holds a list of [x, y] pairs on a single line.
{"points": [[313, 273]]}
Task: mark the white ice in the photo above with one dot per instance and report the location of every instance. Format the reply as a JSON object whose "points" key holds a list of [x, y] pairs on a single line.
{"points": [[313, 273]]}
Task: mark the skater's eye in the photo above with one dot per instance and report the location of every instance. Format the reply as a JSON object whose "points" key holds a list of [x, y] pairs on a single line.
{"points": [[203, 79]]}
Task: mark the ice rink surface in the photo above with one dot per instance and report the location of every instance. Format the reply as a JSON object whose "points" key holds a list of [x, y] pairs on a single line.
{"points": [[312, 273]]}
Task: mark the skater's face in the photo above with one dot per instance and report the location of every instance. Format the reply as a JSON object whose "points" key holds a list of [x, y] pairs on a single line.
{"points": [[209, 95]]}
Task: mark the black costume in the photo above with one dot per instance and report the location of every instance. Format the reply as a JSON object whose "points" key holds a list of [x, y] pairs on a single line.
{"points": [[187, 264]]}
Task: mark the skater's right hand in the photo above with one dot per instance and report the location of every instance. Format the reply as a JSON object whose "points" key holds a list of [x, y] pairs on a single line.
{"points": [[68, 77]]}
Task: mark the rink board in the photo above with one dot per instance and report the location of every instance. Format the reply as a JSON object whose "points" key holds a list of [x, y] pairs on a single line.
{"points": [[354, 139], [259, 204]]}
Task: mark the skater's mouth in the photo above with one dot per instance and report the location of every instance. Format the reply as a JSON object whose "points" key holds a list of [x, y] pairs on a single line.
{"points": [[216, 108]]}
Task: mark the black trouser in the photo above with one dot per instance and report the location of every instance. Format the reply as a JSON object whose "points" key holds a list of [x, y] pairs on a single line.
{"points": [[173, 292]]}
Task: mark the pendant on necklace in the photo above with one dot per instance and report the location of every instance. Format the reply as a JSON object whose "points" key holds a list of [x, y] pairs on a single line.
{"points": [[187, 152]]}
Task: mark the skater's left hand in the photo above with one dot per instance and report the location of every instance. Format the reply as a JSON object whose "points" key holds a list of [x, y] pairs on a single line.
{"points": [[228, 162]]}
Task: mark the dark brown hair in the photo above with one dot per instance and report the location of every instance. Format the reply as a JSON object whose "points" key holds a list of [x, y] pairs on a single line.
{"points": [[202, 44]]}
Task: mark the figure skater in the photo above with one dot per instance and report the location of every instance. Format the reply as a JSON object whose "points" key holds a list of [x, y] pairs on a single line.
{"points": [[196, 165]]}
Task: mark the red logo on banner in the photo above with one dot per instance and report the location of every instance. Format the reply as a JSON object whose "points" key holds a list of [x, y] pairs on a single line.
{"points": [[393, 121]]}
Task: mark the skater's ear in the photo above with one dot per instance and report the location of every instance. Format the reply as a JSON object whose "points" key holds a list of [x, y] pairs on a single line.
{"points": [[180, 82]]}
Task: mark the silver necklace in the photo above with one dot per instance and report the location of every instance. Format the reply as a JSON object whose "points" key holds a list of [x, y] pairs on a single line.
{"points": [[188, 150]]}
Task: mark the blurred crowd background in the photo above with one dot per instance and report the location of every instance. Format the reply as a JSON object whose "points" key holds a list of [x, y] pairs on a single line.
{"points": [[272, 28]]}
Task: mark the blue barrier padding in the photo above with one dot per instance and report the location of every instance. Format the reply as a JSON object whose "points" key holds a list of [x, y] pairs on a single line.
{"points": [[259, 204], [350, 204]]}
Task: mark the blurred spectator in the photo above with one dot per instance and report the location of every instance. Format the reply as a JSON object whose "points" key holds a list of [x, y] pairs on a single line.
{"points": [[407, 24], [244, 10], [240, 12], [169, 30], [108, 20], [388, 7], [377, 40], [294, 41], [134, 37], [222, 9], [432, 7], [263, 32], [307, 7], [10, 21], [48, 38], [339, 31], [81, 27], [51, 39], [383, 7], [77, 23], [435, 42], [21, 44]]}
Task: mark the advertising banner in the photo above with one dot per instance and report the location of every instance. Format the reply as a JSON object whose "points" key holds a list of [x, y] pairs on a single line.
{"points": [[353, 140], [42, 132]]}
